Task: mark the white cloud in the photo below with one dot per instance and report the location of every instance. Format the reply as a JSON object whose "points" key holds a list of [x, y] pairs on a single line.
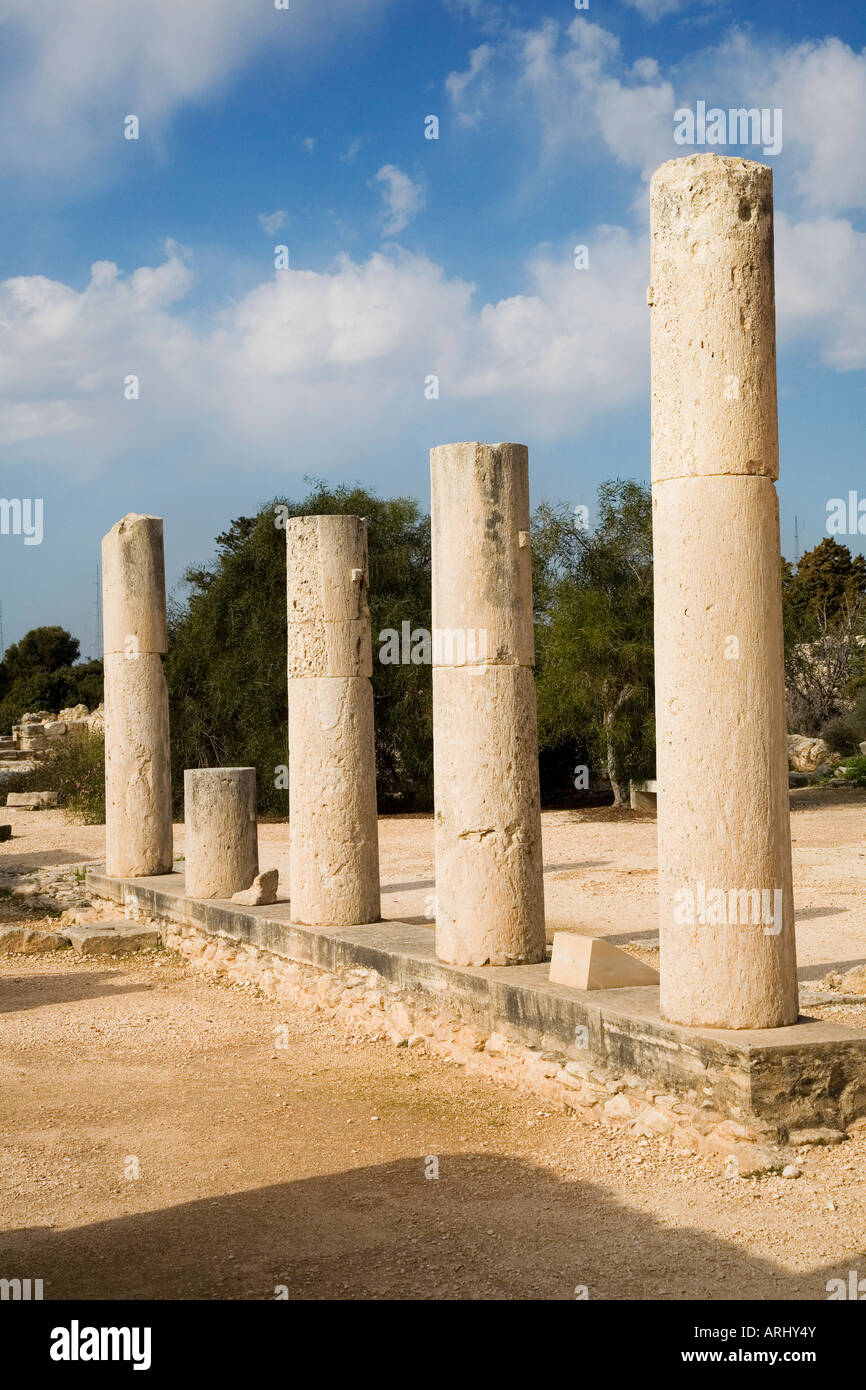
{"points": [[342, 354], [69, 73], [271, 222], [821, 288], [821, 88], [459, 84], [348, 348], [573, 85], [403, 199], [576, 346], [657, 9]]}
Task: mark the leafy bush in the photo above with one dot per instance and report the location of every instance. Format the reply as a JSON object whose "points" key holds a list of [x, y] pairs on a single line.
{"points": [[845, 733], [855, 772], [76, 771]]}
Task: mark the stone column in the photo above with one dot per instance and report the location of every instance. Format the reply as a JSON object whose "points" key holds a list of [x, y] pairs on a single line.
{"points": [[221, 852], [725, 892], [334, 851], [489, 889], [138, 833]]}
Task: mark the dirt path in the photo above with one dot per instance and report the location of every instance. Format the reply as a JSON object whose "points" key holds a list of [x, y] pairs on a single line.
{"points": [[304, 1165]]}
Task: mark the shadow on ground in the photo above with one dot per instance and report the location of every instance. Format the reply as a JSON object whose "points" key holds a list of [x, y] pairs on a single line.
{"points": [[488, 1228], [22, 861], [18, 992]]}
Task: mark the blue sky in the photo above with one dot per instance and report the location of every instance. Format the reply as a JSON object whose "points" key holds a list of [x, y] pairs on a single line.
{"points": [[407, 256]]}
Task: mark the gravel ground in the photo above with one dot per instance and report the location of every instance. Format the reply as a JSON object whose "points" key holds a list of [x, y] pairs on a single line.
{"points": [[304, 1165]]}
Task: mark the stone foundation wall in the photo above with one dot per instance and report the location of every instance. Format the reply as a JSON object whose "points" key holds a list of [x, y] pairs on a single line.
{"points": [[40, 732], [366, 1003]]}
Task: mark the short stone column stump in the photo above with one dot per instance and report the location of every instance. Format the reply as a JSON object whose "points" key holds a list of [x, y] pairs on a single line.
{"points": [[221, 841]]}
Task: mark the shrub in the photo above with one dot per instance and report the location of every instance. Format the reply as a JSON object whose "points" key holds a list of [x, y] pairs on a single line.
{"points": [[845, 733], [855, 772], [842, 735], [76, 771]]}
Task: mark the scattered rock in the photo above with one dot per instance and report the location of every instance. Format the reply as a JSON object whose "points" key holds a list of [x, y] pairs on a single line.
{"points": [[744, 1160], [797, 1138], [617, 1108], [791, 1170], [25, 941], [654, 1120], [262, 892], [112, 938], [31, 801], [807, 754]]}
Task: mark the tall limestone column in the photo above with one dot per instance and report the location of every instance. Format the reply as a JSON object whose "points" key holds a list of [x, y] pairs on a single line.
{"points": [[334, 851], [138, 831], [725, 892], [489, 889]]}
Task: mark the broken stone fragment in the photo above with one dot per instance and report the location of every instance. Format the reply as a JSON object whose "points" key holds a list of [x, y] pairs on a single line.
{"points": [[261, 892], [112, 938], [25, 941], [798, 1138], [31, 801], [585, 962]]}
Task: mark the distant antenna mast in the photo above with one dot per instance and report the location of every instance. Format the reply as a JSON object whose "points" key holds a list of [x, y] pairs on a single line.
{"points": [[796, 542]]}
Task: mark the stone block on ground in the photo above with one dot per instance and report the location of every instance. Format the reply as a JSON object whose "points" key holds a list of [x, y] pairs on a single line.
{"points": [[261, 892], [31, 801], [112, 938], [5, 832], [744, 1160], [797, 1138], [26, 941], [643, 797], [585, 962], [806, 754]]}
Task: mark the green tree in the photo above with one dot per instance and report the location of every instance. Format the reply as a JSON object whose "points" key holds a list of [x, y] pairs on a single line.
{"points": [[40, 651], [38, 673], [226, 666], [827, 581], [824, 629], [594, 631]]}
